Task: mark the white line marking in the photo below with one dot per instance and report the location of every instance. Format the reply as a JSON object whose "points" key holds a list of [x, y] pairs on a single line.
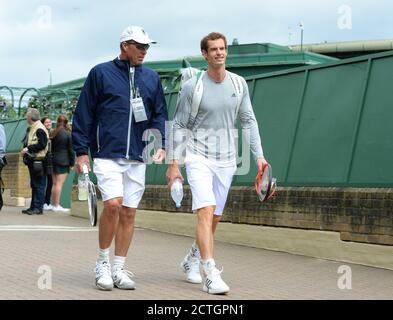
{"points": [[45, 228]]}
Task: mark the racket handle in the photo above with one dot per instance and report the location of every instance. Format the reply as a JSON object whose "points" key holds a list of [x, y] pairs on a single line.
{"points": [[85, 169]]}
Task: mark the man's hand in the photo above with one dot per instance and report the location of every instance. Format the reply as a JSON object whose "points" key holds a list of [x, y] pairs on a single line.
{"points": [[260, 163], [159, 155], [24, 151], [172, 173], [80, 161]]}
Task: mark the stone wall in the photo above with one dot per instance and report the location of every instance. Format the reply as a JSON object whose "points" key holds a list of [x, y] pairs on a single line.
{"points": [[17, 191], [358, 214]]}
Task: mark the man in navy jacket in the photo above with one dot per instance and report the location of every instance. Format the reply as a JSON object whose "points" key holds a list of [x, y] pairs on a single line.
{"points": [[121, 102]]}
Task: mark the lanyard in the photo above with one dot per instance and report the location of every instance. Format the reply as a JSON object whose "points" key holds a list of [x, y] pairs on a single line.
{"points": [[134, 90]]}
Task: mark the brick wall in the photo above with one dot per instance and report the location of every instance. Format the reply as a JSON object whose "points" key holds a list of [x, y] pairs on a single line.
{"points": [[16, 177], [359, 214]]}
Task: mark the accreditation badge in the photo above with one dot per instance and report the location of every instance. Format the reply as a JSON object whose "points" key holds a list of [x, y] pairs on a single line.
{"points": [[138, 109]]}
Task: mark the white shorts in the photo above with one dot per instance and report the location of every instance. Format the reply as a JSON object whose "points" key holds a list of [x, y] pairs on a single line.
{"points": [[125, 180], [209, 184]]}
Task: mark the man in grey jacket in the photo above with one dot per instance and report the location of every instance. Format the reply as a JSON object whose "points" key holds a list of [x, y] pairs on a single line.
{"points": [[211, 152]]}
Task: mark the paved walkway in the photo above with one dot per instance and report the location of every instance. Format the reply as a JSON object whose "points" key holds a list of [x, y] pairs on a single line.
{"points": [[33, 248]]}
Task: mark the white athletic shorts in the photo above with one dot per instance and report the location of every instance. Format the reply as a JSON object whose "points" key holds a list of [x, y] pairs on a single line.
{"points": [[209, 184], [120, 179]]}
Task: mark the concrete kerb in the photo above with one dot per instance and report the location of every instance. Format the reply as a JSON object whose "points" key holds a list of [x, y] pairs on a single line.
{"points": [[313, 243]]}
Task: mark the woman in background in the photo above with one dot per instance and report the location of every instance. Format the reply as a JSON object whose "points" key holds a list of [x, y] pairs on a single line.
{"points": [[47, 122], [63, 159]]}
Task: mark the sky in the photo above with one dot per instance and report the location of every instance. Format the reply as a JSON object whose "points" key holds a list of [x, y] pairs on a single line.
{"points": [[58, 41]]}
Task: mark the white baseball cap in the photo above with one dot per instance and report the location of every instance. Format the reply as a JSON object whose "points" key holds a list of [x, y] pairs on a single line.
{"points": [[137, 34]]}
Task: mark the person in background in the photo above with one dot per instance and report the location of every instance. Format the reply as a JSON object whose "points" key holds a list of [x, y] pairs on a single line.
{"points": [[34, 153], [3, 160], [47, 122], [63, 158]]}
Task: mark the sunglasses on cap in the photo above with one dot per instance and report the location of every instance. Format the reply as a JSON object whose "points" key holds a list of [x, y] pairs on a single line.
{"points": [[139, 46]]}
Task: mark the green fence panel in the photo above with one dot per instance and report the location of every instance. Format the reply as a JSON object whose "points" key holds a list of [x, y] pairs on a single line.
{"points": [[246, 71], [275, 104], [323, 125], [15, 131], [373, 156], [66, 191], [10, 129], [323, 142]]}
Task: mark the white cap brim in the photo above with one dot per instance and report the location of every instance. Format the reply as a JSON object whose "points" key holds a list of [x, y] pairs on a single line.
{"points": [[143, 40]]}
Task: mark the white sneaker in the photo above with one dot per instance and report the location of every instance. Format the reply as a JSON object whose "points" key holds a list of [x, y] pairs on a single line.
{"points": [[121, 279], [47, 207], [59, 208], [190, 266], [213, 283], [103, 276]]}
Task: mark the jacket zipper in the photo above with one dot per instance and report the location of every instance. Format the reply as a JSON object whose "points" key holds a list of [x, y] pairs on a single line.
{"points": [[130, 117], [98, 138]]}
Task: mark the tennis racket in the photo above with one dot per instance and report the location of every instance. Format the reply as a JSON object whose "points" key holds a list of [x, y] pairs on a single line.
{"points": [[265, 184], [91, 197]]}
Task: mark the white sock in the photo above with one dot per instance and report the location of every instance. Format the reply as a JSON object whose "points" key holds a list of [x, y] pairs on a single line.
{"points": [[208, 264], [103, 255], [118, 262]]}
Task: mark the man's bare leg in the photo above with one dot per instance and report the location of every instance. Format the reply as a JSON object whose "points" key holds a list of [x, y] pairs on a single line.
{"points": [[123, 238], [108, 222], [204, 232], [125, 231], [216, 220], [206, 227]]}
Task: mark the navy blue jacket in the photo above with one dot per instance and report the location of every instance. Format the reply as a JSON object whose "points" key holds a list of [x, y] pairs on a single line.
{"points": [[101, 121]]}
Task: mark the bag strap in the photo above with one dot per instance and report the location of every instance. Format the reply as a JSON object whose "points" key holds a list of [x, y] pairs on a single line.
{"points": [[238, 86], [197, 95], [198, 92]]}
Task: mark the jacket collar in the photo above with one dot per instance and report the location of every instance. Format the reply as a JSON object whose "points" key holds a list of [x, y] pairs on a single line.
{"points": [[37, 124], [124, 64]]}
